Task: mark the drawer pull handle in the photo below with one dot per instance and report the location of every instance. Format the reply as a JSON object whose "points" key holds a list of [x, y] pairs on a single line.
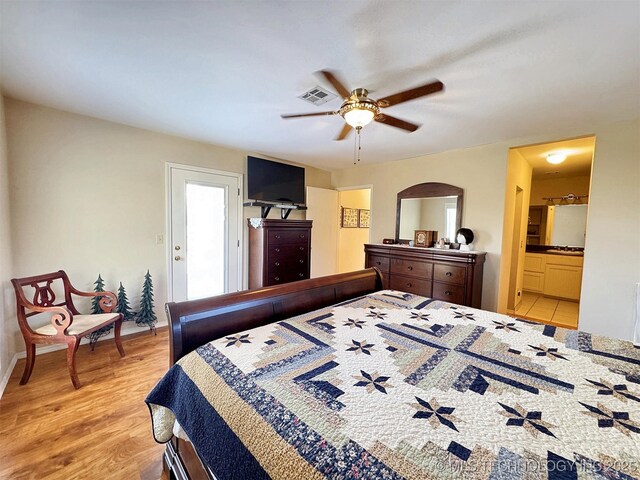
{"points": [[447, 293], [301, 248], [277, 264], [302, 235], [277, 250], [278, 237], [301, 261], [409, 267], [448, 274], [276, 279], [409, 285], [378, 263], [301, 275]]}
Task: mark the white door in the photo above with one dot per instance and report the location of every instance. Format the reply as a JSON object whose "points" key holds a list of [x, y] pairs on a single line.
{"points": [[204, 232], [322, 208]]}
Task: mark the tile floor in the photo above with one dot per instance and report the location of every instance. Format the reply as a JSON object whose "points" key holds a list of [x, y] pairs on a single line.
{"points": [[538, 307]]}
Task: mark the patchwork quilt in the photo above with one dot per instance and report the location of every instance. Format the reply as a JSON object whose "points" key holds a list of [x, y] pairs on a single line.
{"points": [[393, 385]]}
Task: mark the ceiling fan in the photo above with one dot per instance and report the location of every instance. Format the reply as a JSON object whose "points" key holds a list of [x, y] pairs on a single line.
{"points": [[358, 109]]}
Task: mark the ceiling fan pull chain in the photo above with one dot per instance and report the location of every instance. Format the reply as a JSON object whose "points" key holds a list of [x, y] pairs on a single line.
{"points": [[355, 147], [358, 130]]}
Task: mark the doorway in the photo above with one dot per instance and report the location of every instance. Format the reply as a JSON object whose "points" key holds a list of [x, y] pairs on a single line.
{"points": [[338, 245], [515, 280], [552, 227], [203, 218], [352, 235]]}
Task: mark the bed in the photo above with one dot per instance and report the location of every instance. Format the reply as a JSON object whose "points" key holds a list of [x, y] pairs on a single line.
{"points": [[337, 378]]}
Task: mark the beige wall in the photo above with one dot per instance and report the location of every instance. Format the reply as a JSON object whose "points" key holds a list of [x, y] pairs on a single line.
{"points": [[8, 324], [480, 171], [351, 240], [558, 187], [612, 251], [88, 196]]}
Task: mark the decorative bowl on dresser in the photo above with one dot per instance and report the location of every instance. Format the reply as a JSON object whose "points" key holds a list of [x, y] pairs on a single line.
{"points": [[449, 275], [279, 251]]}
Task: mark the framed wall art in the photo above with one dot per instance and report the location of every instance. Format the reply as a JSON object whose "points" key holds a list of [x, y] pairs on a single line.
{"points": [[364, 218], [349, 218]]}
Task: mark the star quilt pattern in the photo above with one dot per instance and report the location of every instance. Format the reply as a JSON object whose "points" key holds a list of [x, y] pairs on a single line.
{"points": [[393, 385]]}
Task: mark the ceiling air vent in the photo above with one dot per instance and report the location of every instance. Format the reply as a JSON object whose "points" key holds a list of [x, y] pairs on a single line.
{"points": [[317, 96]]}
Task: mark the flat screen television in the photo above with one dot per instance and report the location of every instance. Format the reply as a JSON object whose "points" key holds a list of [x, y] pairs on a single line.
{"points": [[274, 182]]}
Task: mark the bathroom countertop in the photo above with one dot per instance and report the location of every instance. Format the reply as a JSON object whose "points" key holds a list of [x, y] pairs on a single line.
{"points": [[554, 250]]}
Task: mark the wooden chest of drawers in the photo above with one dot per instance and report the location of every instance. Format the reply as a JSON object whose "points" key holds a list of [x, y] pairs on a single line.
{"points": [[448, 275], [279, 251]]}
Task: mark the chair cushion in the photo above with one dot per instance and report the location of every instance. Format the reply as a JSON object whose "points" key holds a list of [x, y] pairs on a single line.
{"points": [[81, 323]]}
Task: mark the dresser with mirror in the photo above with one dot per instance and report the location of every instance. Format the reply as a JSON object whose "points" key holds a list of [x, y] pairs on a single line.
{"points": [[443, 274]]}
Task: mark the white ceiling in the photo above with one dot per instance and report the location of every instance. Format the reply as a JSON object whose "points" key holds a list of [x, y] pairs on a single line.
{"points": [[224, 71]]}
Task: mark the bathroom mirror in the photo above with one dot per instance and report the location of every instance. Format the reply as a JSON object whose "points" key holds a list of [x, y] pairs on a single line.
{"points": [[429, 206], [557, 225]]}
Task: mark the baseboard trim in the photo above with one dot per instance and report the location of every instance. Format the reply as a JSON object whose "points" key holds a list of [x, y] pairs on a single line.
{"points": [[7, 375], [128, 328]]}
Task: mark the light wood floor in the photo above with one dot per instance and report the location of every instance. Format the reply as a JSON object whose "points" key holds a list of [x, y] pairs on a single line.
{"points": [[48, 430]]}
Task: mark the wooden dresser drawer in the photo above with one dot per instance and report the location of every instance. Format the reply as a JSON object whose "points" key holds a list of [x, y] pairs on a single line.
{"points": [[276, 264], [418, 286], [379, 262], [287, 276], [411, 267], [448, 292], [449, 274], [282, 236], [285, 251]]}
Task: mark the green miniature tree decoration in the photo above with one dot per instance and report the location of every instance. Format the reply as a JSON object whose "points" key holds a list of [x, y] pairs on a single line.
{"points": [[95, 309], [145, 315], [95, 302], [123, 304]]}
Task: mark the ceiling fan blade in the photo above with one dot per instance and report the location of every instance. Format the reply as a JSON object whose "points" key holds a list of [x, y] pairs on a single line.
{"points": [[344, 132], [297, 115], [396, 122], [337, 84], [411, 94]]}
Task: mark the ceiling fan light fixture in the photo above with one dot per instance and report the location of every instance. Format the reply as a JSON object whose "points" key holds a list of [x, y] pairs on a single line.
{"points": [[357, 113], [358, 118], [556, 158]]}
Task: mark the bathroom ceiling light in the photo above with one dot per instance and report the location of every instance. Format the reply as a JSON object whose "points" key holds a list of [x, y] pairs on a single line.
{"points": [[556, 158]]}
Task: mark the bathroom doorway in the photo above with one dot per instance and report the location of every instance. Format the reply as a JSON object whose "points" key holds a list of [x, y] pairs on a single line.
{"points": [[547, 244], [353, 234]]}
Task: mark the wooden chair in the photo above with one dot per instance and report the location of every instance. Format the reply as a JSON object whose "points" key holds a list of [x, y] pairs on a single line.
{"points": [[66, 325]]}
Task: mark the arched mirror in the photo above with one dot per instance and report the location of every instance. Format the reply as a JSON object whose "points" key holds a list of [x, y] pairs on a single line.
{"points": [[429, 206]]}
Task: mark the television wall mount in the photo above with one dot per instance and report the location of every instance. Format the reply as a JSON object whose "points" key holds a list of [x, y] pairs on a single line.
{"points": [[265, 208]]}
